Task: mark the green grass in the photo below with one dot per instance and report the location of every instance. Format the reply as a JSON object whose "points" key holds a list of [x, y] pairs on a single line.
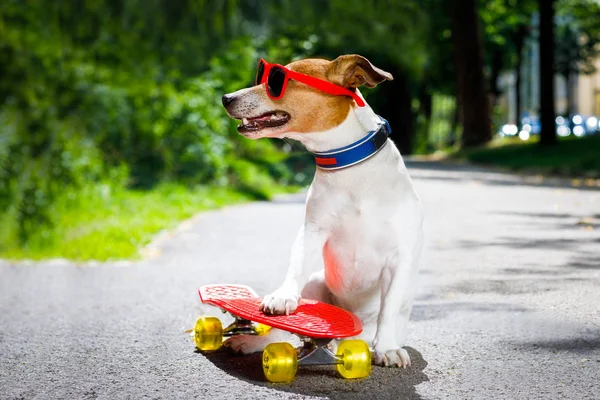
{"points": [[103, 223], [572, 157]]}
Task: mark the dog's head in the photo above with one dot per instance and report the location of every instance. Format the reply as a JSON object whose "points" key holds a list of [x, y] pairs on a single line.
{"points": [[303, 109]]}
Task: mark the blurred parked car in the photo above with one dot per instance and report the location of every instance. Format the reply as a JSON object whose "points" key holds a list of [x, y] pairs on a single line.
{"points": [[584, 125], [578, 125]]}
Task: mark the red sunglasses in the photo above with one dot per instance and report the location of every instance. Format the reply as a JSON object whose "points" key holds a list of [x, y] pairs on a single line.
{"points": [[277, 77]]}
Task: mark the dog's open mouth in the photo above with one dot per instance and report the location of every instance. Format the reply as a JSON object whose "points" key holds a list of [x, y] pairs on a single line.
{"points": [[272, 119]]}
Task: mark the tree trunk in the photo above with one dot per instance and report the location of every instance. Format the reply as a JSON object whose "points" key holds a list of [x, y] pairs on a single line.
{"points": [[569, 95], [455, 121], [519, 42], [468, 53], [495, 70], [401, 115], [395, 105], [426, 110], [425, 101], [548, 134]]}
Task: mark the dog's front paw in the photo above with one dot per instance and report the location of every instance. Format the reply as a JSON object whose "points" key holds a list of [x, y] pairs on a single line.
{"points": [[279, 303], [392, 358], [246, 344]]}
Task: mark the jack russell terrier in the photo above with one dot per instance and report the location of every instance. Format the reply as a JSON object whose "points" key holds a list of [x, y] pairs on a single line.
{"points": [[361, 240]]}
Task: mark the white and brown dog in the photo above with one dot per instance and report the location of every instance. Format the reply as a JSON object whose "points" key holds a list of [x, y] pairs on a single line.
{"points": [[361, 240]]}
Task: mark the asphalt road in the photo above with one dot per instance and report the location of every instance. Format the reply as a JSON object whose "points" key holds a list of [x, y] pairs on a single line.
{"points": [[508, 305]]}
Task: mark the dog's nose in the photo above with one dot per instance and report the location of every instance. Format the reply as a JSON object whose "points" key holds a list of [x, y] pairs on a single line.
{"points": [[227, 99]]}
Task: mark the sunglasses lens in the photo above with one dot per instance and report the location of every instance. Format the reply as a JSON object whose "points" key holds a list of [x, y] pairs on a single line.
{"points": [[259, 72], [276, 81]]}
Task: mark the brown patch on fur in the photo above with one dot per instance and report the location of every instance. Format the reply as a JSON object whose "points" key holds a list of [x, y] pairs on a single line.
{"points": [[311, 109], [352, 71]]}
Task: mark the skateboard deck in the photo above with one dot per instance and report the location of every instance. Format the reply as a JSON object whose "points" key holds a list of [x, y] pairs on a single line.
{"points": [[312, 318]]}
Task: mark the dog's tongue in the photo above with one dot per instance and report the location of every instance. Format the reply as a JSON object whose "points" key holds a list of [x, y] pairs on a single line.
{"points": [[263, 118]]}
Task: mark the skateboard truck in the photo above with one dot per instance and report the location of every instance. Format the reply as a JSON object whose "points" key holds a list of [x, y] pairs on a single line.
{"points": [[317, 352], [243, 326], [240, 326]]}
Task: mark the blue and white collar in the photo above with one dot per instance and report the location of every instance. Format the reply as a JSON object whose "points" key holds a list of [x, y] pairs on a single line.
{"points": [[355, 152]]}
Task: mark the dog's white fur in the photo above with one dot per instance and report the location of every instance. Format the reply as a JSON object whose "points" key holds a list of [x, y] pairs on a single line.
{"points": [[359, 246]]}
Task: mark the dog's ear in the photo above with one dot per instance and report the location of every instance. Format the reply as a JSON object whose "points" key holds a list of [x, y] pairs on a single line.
{"points": [[352, 70]]}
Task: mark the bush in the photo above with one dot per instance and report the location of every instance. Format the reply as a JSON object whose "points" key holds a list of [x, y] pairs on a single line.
{"points": [[84, 103]]}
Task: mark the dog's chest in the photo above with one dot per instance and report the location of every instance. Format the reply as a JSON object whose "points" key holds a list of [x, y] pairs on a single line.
{"points": [[357, 214], [361, 235], [350, 268]]}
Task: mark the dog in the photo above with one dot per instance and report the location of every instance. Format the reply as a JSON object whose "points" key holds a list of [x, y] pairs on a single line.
{"points": [[361, 240]]}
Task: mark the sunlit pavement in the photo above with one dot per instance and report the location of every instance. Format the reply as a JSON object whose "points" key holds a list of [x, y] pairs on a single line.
{"points": [[509, 303]]}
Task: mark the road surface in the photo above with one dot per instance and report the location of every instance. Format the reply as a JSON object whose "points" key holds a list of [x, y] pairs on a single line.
{"points": [[508, 304]]}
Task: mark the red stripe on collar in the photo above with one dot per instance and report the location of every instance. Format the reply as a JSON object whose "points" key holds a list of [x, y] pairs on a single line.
{"points": [[326, 161]]}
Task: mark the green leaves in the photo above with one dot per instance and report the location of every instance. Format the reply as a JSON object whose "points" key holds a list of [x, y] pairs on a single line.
{"points": [[92, 91], [577, 36], [130, 92]]}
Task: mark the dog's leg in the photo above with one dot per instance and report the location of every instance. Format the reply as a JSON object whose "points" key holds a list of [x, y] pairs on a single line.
{"points": [[247, 344], [396, 304], [314, 289], [307, 255]]}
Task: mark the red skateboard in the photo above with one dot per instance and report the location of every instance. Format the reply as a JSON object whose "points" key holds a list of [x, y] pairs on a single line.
{"points": [[314, 322]]}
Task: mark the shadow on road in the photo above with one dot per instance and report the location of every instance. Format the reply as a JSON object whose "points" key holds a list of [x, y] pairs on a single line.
{"points": [[384, 383], [427, 312], [580, 345], [447, 172], [582, 228]]}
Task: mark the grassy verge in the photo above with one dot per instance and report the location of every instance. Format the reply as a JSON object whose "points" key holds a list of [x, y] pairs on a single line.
{"points": [[572, 157], [103, 223]]}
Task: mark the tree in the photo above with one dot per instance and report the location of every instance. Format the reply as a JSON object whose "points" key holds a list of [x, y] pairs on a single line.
{"points": [[507, 25], [577, 41], [548, 134], [439, 74], [394, 41], [472, 88]]}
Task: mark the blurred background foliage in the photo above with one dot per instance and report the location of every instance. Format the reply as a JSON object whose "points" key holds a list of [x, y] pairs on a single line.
{"points": [[111, 126]]}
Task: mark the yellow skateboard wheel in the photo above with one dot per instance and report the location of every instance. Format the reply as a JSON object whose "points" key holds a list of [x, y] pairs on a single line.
{"points": [[356, 359], [208, 333], [280, 362]]}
